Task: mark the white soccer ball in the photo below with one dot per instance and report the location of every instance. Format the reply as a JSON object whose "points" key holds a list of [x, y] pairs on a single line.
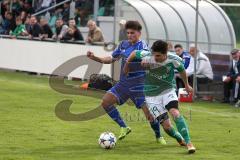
{"points": [[107, 140]]}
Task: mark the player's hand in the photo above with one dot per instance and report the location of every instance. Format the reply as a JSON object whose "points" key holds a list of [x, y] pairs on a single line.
{"points": [[90, 54], [188, 88]]}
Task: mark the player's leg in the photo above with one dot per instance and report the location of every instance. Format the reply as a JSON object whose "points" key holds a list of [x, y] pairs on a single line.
{"points": [[170, 130], [155, 125], [181, 124], [171, 104], [117, 94], [108, 104]]}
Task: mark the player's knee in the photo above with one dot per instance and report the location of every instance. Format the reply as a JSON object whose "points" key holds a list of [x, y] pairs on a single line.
{"points": [[167, 127], [105, 104], [174, 112]]}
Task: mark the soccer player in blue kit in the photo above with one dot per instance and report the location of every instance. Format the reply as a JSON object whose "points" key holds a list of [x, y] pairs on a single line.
{"points": [[124, 89]]}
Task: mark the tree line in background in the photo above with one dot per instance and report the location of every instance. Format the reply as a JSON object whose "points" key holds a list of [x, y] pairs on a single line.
{"points": [[234, 15]]}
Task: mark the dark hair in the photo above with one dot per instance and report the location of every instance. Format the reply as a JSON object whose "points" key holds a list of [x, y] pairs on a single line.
{"points": [[234, 51], [160, 46], [70, 19], [135, 25], [178, 46], [59, 19]]}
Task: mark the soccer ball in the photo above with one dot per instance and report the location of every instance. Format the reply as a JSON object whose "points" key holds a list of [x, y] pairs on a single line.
{"points": [[107, 140]]}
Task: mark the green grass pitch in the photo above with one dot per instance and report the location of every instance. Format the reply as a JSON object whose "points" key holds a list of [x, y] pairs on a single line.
{"points": [[29, 129]]}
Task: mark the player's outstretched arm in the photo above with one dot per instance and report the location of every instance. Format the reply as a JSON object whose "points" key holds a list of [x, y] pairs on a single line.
{"points": [[105, 60]]}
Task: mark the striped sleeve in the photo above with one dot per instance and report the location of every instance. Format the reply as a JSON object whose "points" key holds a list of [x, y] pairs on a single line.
{"points": [[177, 62], [178, 65], [142, 53]]}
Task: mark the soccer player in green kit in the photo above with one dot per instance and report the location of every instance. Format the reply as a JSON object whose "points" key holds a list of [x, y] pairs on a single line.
{"points": [[159, 87]]}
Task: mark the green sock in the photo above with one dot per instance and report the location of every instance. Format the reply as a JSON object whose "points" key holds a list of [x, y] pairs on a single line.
{"points": [[173, 133], [182, 128]]}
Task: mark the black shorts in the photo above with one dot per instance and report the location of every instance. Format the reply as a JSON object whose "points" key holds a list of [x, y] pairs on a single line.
{"points": [[172, 104], [163, 117]]}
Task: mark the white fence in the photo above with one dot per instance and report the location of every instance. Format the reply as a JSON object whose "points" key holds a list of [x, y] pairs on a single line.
{"points": [[45, 57]]}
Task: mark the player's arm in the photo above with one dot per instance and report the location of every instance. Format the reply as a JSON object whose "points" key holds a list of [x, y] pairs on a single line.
{"points": [[129, 60], [105, 60], [184, 77], [183, 74], [138, 54]]}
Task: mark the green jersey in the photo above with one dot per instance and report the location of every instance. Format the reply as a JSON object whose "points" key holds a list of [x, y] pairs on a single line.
{"points": [[18, 30], [161, 76]]}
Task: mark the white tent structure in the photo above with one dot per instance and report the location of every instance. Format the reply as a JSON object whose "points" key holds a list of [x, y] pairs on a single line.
{"points": [[175, 21]]}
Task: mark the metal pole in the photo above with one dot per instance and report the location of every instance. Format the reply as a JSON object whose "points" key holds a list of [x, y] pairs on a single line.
{"points": [[115, 21], [196, 46], [33, 3], [0, 6], [114, 30], [229, 4], [11, 3], [96, 8]]}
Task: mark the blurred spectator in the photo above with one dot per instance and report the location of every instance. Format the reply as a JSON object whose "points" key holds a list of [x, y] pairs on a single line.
{"points": [[170, 47], [183, 54], [5, 6], [66, 12], [27, 7], [16, 7], [21, 4], [45, 4], [106, 8], [231, 81], [71, 23], [94, 34], [8, 24], [27, 23], [20, 29], [73, 32], [61, 29], [35, 28], [23, 16], [122, 31], [186, 60], [46, 29], [85, 8], [204, 71], [1, 20], [77, 16]]}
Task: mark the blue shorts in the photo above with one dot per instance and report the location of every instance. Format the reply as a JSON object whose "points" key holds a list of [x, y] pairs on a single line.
{"points": [[124, 92]]}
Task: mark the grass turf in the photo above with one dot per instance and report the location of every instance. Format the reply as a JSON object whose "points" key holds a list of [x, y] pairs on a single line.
{"points": [[30, 130]]}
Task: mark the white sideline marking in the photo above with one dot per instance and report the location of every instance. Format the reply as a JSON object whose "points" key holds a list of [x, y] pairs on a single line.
{"points": [[225, 114]]}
